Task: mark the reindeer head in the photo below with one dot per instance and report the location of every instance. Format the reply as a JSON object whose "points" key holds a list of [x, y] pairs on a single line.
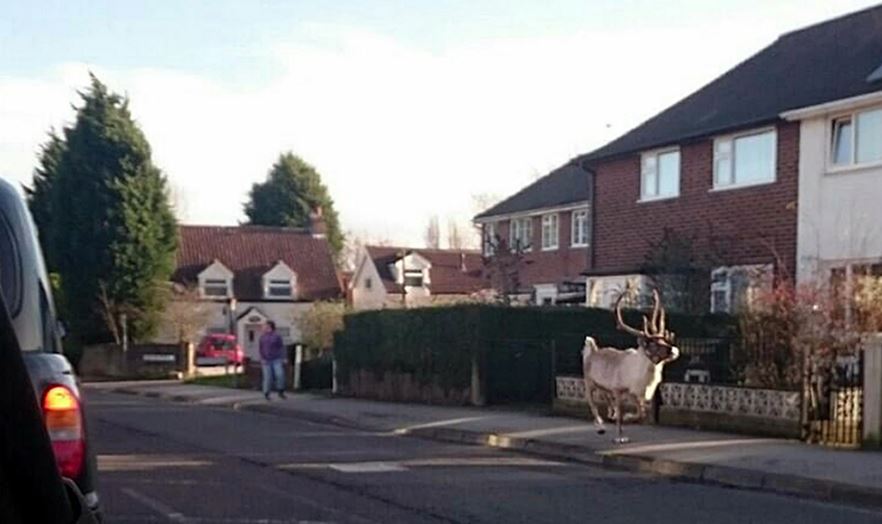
{"points": [[655, 340]]}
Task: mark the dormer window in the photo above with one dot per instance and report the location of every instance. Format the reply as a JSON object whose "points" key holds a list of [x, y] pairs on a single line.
{"points": [[279, 283], [216, 281], [216, 288]]}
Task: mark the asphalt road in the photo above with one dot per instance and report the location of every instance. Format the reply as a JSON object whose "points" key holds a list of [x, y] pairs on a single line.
{"points": [[167, 462]]}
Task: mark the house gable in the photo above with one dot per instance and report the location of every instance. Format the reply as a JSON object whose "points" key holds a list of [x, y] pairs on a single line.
{"points": [[279, 283], [216, 281]]}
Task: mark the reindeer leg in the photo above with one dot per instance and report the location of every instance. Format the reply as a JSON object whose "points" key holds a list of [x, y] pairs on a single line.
{"points": [[620, 439], [598, 421], [641, 409]]}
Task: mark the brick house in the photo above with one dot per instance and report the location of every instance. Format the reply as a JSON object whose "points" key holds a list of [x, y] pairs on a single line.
{"points": [[744, 173], [550, 222], [425, 277], [247, 275]]}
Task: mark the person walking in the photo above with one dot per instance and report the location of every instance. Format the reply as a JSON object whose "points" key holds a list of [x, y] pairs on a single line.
{"points": [[272, 356]]}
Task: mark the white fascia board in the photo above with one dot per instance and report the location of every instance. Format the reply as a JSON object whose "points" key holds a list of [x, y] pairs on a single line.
{"points": [[835, 106]]}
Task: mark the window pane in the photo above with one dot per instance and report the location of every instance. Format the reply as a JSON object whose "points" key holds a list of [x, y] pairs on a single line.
{"points": [[10, 268], [842, 141], [724, 172], [669, 174], [280, 290], [869, 136], [755, 158], [650, 184]]}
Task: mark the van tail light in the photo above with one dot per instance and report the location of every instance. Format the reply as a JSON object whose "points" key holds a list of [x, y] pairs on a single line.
{"points": [[64, 421]]}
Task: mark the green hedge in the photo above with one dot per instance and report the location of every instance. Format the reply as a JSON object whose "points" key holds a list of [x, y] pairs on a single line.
{"points": [[514, 345]]}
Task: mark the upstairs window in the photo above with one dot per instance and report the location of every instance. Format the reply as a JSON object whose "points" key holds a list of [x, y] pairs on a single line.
{"points": [[856, 139], [580, 228], [521, 234], [550, 231], [368, 283], [745, 160], [660, 175], [216, 288], [279, 288], [413, 278]]}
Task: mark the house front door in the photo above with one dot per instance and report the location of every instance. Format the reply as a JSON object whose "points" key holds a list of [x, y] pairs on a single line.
{"points": [[252, 340]]}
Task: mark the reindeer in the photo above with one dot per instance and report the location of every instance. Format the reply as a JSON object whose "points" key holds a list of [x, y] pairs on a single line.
{"points": [[634, 371]]}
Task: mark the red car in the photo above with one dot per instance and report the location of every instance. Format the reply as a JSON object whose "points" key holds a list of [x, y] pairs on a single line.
{"points": [[219, 349]]}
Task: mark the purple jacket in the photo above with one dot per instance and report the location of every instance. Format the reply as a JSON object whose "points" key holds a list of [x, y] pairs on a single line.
{"points": [[271, 346]]}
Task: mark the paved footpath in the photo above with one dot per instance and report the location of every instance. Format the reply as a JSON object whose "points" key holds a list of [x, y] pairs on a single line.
{"points": [[776, 465]]}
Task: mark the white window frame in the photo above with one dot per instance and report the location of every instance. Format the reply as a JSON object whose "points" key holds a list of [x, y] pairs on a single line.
{"points": [[273, 283], [831, 136], [550, 231], [490, 230], [579, 228], [414, 273], [724, 151], [721, 282], [216, 282], [521, 228], [649, 165]]}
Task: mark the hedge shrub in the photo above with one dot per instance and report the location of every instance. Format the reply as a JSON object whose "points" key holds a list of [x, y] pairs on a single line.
{"points": [[438, 344]]}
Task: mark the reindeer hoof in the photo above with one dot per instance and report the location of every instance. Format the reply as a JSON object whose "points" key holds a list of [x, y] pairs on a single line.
{"points": [[621, 440]]}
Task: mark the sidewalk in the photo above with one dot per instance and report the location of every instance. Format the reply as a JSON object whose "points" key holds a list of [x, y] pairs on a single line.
{"points": [[781, 466]]}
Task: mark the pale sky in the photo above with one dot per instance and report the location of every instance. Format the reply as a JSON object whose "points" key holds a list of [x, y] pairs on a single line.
{"points": [[407, 108]]}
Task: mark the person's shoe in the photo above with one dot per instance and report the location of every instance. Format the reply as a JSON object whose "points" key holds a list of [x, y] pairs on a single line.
{"points": [[266, 396], [282, 394]]}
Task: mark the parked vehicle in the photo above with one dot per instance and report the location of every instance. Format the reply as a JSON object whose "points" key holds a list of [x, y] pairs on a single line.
{"points": [[27, 294], [219, 349]]}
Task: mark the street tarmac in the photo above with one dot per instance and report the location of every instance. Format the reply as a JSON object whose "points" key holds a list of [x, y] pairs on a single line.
{"points": [[170, 462]]}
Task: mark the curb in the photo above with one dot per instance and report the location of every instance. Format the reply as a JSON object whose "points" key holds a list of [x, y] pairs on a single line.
{"points": [[732, 477]]}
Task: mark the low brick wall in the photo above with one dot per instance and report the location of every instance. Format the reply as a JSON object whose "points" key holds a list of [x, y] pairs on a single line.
{"points": [[762, 412], [402, 387], [107, 361]]}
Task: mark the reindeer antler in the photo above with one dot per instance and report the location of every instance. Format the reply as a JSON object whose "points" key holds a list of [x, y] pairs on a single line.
{"points": [[620, 322]]}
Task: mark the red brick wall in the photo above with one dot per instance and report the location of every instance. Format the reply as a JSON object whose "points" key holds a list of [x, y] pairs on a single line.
{"points": [[736, 226], [563, 264]]}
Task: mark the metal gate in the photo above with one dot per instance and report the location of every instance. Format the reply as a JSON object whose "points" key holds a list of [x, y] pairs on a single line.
{"points": [[833, 401]]}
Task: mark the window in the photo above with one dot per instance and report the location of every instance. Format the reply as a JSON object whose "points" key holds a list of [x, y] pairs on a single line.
{"points": [[550, 232], [368, 283], [490, 239], [521, 234], [745, 160], [278, 288], [854, 292], [856, 139], [284, 332], [10, 269], [735, 288], [660, 175], [580, 228], [215, 287], [413, 278], [842, 137]]}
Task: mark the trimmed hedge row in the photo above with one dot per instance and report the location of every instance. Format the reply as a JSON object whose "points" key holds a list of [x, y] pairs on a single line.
{"points": [[437, 345]]}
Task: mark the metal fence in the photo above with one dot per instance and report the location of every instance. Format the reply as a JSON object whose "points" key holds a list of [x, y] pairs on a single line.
{"points": [[833, 402]]}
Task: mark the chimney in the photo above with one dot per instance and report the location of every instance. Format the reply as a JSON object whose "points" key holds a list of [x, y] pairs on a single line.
{"points": [[317, 225], [462, 263]]}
